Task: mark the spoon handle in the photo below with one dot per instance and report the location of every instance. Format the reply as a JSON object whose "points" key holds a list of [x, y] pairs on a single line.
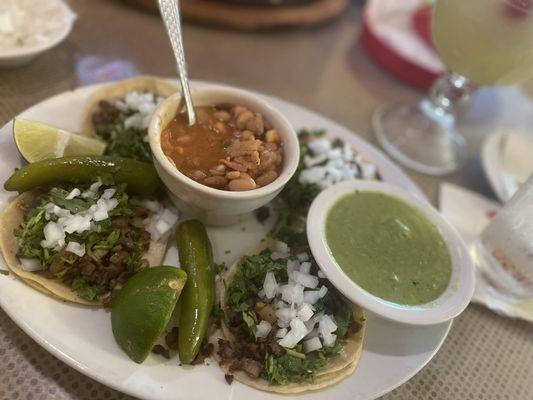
{"points": [[171, 16]]}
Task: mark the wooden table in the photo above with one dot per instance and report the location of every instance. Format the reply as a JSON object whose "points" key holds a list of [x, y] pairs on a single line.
{"points": [[325, 69]]}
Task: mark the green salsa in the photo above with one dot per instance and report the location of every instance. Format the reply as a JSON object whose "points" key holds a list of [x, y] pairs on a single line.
{"points": [[388, 248]]}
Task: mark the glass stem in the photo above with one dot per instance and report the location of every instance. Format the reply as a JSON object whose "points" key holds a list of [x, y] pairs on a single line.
{"points": [[446, 93]]}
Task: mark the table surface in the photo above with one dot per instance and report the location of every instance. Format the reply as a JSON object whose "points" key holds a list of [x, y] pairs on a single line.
{"points": [[325, 69]]}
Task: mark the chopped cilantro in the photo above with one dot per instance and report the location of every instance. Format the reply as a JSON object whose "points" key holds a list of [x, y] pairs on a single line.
{"points": [[250, 319], [250, 276], [4, 272], [128, 143], [84, 290]]}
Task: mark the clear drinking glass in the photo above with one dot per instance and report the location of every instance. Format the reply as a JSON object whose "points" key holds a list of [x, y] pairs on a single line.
{"points": [[486, 42], [504, 251]]}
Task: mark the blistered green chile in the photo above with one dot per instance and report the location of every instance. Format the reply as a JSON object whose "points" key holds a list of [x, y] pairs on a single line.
{"points": [[198, 296], [141, 177]]}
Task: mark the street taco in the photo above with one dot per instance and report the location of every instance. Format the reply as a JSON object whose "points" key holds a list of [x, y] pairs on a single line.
{"points": [[284, 328], [119, 113], [81, 242]]}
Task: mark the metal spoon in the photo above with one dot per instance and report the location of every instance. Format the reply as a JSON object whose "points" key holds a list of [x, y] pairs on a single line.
{"points": [[171, 16]]}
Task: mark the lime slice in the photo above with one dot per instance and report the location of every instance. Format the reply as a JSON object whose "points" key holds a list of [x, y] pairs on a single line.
{"points": [[143, 307], [37, 141]]}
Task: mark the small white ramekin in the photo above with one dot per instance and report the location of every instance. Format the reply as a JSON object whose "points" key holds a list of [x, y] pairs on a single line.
{"points": [[447, 306], [214, 206], [23, 55]]}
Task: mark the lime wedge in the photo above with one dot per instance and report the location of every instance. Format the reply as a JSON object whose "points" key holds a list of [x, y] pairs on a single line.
{"points": [[37, 141], [142, 308]]}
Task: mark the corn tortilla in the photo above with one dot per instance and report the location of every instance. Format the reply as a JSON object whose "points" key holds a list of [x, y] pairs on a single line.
{"points": [[12, 217], [337, 369]]}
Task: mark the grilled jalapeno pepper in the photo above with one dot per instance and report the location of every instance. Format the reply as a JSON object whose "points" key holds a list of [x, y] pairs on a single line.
{"points": [[198, 295], [141, 177]]}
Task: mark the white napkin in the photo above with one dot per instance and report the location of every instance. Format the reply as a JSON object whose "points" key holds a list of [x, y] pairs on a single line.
{"points": [[470, 212], [516, 159]]}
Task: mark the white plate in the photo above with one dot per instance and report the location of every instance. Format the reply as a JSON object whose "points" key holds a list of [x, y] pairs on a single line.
{"points": [[82, 337]]}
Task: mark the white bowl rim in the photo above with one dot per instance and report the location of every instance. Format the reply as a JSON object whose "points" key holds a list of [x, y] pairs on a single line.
{"points": [[36, 49], [450, 304], [291, 161]]}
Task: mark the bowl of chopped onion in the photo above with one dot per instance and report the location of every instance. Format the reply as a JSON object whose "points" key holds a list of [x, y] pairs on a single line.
{"points": [[28, 28]]}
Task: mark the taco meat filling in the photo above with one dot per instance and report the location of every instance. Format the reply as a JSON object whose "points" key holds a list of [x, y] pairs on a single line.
{"points": [[91, 237], [123, 124], [286, 320]]}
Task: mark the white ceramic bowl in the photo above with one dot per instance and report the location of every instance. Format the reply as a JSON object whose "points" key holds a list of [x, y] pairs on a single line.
{"points": [[215, 206], [12, 58], [450, 304]]}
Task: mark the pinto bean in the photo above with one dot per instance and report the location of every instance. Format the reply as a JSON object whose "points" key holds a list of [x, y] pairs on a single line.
{"points": [[233, 175], [247, 135], [271, 146], [266, 178], [255, 124], [272, 136], [220, 127], [234, 165], [222, 115], [242, 184], [215, 181], [199, 175], [254, 157], [268, 159], [184, 139], [216, 172], [237, 110], [243, 118]]}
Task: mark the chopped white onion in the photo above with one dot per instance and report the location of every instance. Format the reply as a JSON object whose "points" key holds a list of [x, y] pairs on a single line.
{"points": [[321, 274], [319, 146], [311, 296], [329, 339], [76, 248], [327, 322], [270, 286], [74, 193], [31, 264], [169, 216], [281, 333], [306, 280], [305, 312], [293, 337], [323, 291], [108, 193], [54, 236], [76, 223], [312, 344], [263, 329], [302, 257], [312, 333], [151, 205], [280, 247], [285, 314], [292, 293], [162, 227], [305, 267], [329, 165]]}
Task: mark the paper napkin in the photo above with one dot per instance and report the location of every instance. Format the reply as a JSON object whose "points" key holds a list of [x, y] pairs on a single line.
{"points": [[469, 213]]}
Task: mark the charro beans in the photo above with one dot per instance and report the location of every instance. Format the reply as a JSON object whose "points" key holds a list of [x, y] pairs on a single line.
{"points": [[229, 148]]}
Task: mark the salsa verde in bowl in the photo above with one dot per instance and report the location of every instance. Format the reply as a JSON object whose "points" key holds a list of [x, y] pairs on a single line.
{"points": [[390, 252]]}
